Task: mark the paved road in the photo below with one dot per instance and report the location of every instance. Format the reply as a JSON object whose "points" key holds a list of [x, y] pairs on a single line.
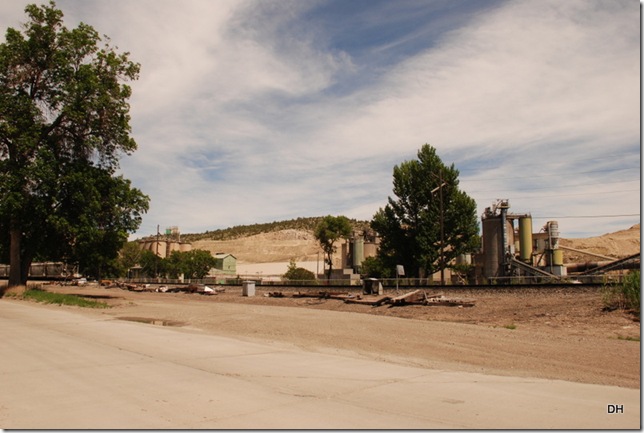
{"points": [[64, 369]]}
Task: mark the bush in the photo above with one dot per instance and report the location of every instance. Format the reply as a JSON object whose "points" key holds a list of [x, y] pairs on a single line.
{"points": [[295, 273], [625, 295]]}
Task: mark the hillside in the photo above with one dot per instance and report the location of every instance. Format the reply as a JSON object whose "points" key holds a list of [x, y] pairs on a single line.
{"points": [[307, 224], [276, 246], [280, 242]]}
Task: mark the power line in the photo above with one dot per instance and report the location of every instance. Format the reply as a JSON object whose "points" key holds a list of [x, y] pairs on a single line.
{"points": [[567, 173], [587, 216], [566, 195], [558, 186]]}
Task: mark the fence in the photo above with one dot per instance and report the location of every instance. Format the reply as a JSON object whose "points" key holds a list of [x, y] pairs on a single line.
{"points": [[393, 282]]}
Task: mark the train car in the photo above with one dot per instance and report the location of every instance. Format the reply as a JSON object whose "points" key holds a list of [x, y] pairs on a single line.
{"points": [[45, 270]]}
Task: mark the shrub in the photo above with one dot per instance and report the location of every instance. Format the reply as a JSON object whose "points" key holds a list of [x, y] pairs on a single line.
{"points": [[295, 273], [624, 295]]}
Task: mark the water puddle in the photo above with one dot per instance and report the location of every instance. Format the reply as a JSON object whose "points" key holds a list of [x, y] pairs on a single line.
{"points": [[157, 322]]}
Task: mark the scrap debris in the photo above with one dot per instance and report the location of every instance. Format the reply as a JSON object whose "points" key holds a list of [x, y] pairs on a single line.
{"points": [[417, 297], [373, 302], [325, 295]]}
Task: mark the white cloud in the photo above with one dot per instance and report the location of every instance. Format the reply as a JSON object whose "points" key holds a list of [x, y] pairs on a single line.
{"points": [[244, 114]]}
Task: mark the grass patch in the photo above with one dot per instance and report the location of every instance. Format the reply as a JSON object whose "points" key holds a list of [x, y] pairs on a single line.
{"points": [[46, 297], [510, 326], [624, 295]]}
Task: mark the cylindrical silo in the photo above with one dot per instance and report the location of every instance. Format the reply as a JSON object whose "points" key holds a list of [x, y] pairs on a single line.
{"points": [[492, 238], [358, 252], [525, 239], [557, 258], [553, 232]]}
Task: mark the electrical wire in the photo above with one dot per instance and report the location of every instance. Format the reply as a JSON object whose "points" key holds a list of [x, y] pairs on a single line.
{"points": [[586, 216]]}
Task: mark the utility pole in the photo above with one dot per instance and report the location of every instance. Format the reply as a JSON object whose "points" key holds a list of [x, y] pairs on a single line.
{"points": [[439, 188], [156, 261]]}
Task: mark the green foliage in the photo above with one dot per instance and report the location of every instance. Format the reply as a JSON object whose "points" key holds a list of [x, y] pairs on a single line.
{"points": [[328, 232], [195, 264], [624, 295], [152, 265], [409, 226], [64, 122], [46, 297], [129, 257], [296, 273], [373, 267]]}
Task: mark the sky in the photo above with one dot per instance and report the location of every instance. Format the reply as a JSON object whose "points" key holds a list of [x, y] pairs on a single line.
{"points": [[253, 111]]}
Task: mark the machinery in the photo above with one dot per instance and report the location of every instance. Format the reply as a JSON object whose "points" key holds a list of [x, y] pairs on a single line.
{"points": [[511, 249]]}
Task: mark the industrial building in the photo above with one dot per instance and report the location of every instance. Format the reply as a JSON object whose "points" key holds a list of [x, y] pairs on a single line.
{"points": [[510, 249], [164, 245]]}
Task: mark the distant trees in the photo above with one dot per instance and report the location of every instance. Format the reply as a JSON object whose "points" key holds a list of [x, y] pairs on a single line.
{"points": [[193, 264], [428, 215], [328, 231]]}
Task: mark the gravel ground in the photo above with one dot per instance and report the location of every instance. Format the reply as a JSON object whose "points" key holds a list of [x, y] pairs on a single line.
{"points": [[557, 333]]}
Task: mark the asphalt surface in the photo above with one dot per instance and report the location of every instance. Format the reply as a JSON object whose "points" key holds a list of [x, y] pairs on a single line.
{"points": [[62, 369]]}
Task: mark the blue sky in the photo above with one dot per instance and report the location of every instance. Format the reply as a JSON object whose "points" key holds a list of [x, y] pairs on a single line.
{"points": [[263, 110]]}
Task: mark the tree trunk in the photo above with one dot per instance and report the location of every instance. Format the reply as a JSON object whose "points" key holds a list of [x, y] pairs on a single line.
{"points": [[15, 268], [330, 262]]}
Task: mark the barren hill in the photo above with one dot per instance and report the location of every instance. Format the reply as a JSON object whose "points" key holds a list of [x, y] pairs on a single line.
{"points": [[283, 245], [276, 246]]}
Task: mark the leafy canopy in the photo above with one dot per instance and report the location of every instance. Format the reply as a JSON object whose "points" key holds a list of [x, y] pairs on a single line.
{"points": [[328, 232], [296, 273], [64, 123], [409, 226]]}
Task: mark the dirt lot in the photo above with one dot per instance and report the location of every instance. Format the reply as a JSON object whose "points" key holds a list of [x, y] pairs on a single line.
{"points": [[557, 333]]}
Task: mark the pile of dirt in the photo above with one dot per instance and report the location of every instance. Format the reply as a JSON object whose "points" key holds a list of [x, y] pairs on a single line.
{"points": [[615, 245]]}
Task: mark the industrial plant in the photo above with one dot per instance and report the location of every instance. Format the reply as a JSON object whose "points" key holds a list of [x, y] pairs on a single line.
{"points": [[510, 249], [511, 252]]}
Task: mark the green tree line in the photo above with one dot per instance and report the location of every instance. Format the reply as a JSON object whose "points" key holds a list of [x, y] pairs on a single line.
{"points": [[193, 264]]}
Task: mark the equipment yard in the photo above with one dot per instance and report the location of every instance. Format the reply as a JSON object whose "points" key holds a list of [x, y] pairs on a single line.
{"points": [[544, 332]]}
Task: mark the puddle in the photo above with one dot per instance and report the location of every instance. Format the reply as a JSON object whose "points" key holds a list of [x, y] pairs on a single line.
{"points": [[157, 322]]}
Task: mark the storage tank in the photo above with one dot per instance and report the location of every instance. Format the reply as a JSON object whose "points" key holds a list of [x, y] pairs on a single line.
{"points": [[358, 252], [557, 258], [553, 231], [493, 248], [491, 244], [525, 239]]}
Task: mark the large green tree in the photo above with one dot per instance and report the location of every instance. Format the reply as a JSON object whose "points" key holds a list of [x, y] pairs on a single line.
{"points": [[429, 213], [193, 264], [330, 230], [64, 123]]}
